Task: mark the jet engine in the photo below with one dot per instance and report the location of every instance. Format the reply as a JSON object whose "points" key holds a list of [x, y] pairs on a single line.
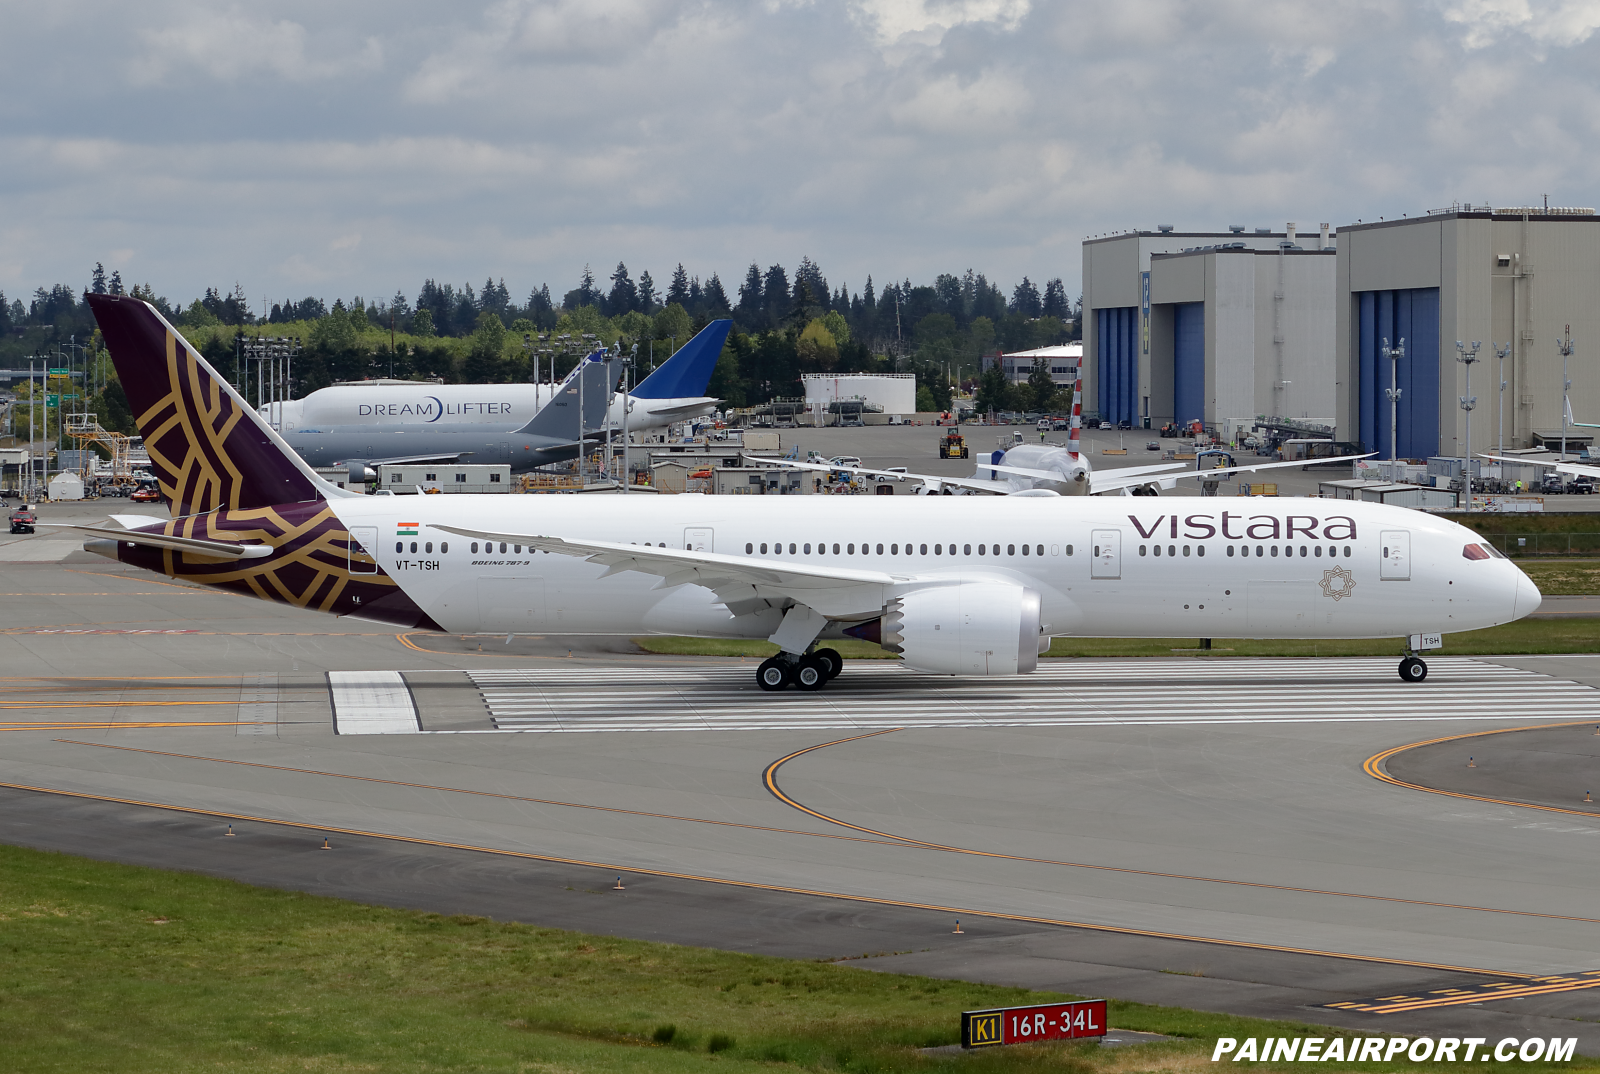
{"points": [[977, 628]]}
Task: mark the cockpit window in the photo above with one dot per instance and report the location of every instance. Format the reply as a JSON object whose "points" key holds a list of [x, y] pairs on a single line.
{"points": [[1495, 552], [1474, 551]]}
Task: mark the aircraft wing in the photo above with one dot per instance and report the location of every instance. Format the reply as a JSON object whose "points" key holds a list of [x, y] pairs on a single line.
{"points": [[683, 410], [192, 545], [1128, 477], [444, 456], [742, 583]]}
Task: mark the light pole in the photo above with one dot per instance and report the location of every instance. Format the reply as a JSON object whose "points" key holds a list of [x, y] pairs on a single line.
{"points": [[1565, 347], [1394, 354], [1503, 350], [627, 405], [1466, 356]]}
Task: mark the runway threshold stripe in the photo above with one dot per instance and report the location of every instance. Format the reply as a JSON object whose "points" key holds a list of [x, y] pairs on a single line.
{"points": [[868, 836], [1373, 766], [1487, 991], [751, 885], [769, 779]]}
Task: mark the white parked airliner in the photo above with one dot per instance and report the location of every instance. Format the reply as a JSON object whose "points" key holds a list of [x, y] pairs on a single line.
{"points": [[953, 587]]}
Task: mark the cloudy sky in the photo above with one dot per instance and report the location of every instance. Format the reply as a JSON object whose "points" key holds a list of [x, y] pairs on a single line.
{"points": [[351, 147]]}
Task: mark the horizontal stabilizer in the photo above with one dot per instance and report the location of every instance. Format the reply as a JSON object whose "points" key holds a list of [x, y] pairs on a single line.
{"points": [[192, 545]]}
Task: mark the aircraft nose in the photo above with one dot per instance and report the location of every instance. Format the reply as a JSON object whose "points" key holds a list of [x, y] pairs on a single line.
{"points": [[1528, 597]]}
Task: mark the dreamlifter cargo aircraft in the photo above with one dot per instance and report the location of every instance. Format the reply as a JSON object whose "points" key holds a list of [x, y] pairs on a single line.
{"points": [[953, 590], [370, 423]]}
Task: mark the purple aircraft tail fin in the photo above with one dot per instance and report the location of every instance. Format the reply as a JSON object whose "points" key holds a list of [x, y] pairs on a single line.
{"points": [[208, 448]]}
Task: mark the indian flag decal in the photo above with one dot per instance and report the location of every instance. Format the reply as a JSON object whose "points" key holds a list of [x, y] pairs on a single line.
{"points": [[405, 529]]}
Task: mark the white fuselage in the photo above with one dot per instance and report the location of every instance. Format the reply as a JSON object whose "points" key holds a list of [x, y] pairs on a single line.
{"points": [[1117, 567], [429, 406]]}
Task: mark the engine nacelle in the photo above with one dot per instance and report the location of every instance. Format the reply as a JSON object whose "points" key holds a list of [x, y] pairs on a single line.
{"points": [[979, 628]]}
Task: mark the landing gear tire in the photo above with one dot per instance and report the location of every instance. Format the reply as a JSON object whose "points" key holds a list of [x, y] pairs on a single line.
{"points": [[811, 673], [1412, 669], [774, 674], [832, 658]]}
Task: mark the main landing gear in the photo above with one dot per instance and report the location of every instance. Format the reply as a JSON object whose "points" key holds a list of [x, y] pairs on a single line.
{"points": [[1412, 669], [809, 672]]}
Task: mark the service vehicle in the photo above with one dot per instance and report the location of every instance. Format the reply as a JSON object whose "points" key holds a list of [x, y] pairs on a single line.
{"points": [[954, 446], [22, 520]]}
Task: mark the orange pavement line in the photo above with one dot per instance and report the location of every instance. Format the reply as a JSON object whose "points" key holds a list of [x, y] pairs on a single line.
{"points": [[1373, 766], [769, 777], [756, 886], [480, 794], [124, 725]]}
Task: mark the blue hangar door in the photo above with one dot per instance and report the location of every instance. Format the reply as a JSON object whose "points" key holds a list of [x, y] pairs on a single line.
{"points": [[1412, 315], [1189, 361], [1117, 362]]}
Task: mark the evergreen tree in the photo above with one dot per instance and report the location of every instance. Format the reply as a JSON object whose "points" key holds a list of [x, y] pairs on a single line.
{"points": [[585, 294], [5, 314], [1025, 299], [716, 299], [678, 290], [775, 295], [116, 282], [748, 312], [1055, 300], [624, 296], [648, 299], [1040, 385], [951, 301], [811, 275], [99, 276]]}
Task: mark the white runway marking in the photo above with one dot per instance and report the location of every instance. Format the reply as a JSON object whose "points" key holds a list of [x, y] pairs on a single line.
{"points": [[372, 703], [1079, 693]]}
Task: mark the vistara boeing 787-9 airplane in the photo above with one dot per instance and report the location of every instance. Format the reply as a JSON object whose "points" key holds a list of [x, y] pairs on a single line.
{"points": [[951, 589]]}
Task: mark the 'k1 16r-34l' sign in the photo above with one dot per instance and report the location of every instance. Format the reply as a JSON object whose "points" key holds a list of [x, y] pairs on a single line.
{"points": [[1018, 1025]]}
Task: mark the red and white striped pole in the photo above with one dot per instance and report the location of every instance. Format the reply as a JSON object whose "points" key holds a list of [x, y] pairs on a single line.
{"points": [[1077, 414]]}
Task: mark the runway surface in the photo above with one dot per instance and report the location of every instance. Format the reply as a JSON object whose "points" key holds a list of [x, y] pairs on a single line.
{"points": [[1179, 831]]}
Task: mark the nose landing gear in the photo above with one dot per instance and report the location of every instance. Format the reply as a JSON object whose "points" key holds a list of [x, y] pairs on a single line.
{"points": [[809, 672], [1412, 669]]}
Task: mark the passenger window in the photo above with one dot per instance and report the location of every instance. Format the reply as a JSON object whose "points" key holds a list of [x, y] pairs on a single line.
{"points": [[924, 550], [763, 548], [1319, 551], [1172, 549], [399, 546], [1024, 549], [1158, 550], [1230, 550], [444, 546], [1346, 551], [791, 548], [1011, 549], [502, 548], [1274, 551], [474, 547], [1141, 550], [1186, 550], [428, 547], [748, 548], [1260, 551], [807, 548], [836, 550], [980, 550], [1200, 549], [850, 548], [1038, 550], [966, 550], [938, 549], [1303, 551], [1069, 550], [880, 550], [413, 546], [894, 550]]}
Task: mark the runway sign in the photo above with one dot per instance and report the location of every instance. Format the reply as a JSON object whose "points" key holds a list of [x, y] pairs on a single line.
{"points": [[1020, 1025]]}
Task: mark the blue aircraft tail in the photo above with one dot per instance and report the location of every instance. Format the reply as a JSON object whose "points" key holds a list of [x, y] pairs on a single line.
{"points": [[687, 374]]}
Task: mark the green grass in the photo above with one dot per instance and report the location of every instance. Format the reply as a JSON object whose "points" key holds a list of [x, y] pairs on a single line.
{"points": [[118, 968], [1551, 522], [1564, 578], [1523, 636]]}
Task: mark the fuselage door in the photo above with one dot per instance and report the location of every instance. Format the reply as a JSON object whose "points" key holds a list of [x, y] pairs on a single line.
{"points": [[699, 539], [1107, 559], [1396, 548], [363, 541]]}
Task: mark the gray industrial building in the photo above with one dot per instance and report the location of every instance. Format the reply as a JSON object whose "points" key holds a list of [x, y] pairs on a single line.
{"points": [[1216, 326], [1514, 278]]}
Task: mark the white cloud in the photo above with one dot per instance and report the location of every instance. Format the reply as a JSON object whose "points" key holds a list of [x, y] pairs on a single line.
{"points": [[1560, 23], [230, 43], [928, 20]]}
